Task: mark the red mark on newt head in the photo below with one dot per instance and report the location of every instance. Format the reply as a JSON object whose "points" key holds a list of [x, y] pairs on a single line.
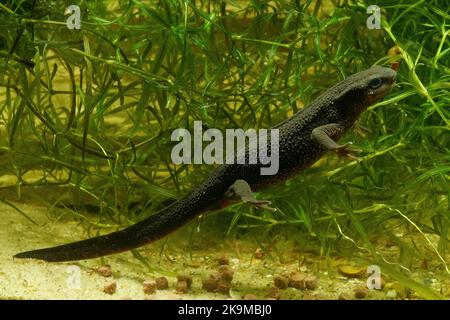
{"points": [[395, 65], [395, 55], [225, 203]]}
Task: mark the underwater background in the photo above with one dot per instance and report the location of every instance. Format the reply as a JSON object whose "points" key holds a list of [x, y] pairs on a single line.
{"points": [[87, 113]]}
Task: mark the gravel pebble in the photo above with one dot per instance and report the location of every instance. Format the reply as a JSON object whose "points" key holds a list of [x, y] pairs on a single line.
{"points": [[210, 284], [162, 283], [110, 288], [104, 271], [361, 292], [226, 273], [185, 278], [149, 286], [182, 286], [297, 281], [311, 282], [281, 282]]}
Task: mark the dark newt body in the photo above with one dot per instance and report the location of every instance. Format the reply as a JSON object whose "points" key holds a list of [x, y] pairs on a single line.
{"points": [[303, 139]]}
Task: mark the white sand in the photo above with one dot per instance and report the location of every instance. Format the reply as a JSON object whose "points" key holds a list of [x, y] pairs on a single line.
{"points": [[30, 279]]}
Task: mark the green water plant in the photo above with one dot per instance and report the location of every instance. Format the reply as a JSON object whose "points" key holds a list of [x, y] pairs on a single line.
{"points": [[89, 112]]}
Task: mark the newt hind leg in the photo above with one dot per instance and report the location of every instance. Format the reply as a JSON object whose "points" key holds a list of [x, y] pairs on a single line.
{"points": [[241, 189]]}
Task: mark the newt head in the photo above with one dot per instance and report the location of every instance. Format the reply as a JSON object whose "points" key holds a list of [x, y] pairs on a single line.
{"points": [[362, 89], [379, 82]]}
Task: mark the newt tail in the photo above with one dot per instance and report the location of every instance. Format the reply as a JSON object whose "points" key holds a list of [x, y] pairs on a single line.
{"points": [[303, 139], [139, 234]]}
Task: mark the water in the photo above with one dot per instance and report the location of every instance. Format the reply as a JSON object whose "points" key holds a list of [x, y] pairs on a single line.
{"points": [[86, 117]]}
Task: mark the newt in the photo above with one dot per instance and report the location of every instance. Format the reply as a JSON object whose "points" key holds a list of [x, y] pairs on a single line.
{"points": [[303, 139]]}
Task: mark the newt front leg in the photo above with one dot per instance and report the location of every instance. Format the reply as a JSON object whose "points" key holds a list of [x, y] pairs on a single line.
{"points": [[323, 134]]}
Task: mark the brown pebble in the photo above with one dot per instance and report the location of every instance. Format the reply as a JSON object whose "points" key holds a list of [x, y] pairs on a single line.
{"points": [[250, 296], [297, 281], [223, 260], [274, 293], [311, 282], [110, 288], [210, 284], [188, 279], [223, 287], [182, 286], [226, 273], [104, 271], [161, 283], [344, 296], [217, 276], [149, 286], [259, 254], [361, 292], [281, 282]]}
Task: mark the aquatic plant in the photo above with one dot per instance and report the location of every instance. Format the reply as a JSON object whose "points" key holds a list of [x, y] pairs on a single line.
{"points": [[89, 112]]}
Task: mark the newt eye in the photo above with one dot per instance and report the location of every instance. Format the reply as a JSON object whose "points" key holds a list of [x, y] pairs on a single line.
{"points": [[375, 83]]}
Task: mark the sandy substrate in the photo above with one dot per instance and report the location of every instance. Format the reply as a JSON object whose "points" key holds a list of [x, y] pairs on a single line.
{"points": [[30, 279]]}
